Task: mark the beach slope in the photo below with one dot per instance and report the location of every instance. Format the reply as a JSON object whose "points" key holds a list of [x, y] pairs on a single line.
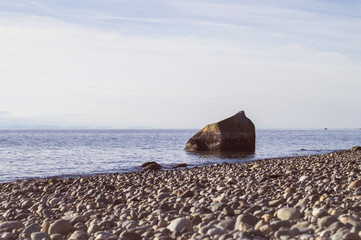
{"points": [[310, 197]]}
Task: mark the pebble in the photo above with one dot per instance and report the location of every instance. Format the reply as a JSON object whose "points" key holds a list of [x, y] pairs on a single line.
{"points": [[11, 225], [327, 221], [79, 235], [288, 213], [179, 224], [30, 229], [126, 235], [310, 197], [7, 236], [303, 178], [61, 226], [355, 184], [40, 236], [319, 212]]}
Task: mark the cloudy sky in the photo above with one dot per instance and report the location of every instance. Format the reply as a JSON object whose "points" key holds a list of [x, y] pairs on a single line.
{"points": [[180, 63]]}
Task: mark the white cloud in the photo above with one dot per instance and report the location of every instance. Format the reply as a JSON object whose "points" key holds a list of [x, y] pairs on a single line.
{"points": [[4, 112]]}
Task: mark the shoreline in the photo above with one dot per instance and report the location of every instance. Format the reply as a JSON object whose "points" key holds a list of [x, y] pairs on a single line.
{"points": [[169, 167], [303, 197]]}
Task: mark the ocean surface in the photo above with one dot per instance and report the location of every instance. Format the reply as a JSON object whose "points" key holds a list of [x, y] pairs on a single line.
{"points": [[46, 153]]}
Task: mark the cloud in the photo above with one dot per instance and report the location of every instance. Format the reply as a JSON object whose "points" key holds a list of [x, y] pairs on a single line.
{"points": [[4, 113], [186, 71]]}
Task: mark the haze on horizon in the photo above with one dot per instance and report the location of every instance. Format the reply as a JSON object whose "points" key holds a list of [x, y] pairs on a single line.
{"points": [[180, 63]]}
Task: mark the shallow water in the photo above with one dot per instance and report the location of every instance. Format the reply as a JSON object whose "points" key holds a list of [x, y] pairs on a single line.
{"points": [[44, 153]]}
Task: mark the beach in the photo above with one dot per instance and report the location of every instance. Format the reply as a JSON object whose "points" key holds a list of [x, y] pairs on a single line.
{"points": [[308, 197]]}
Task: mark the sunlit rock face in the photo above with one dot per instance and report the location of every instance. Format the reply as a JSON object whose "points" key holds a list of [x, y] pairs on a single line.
{"points": [[236, 134]]}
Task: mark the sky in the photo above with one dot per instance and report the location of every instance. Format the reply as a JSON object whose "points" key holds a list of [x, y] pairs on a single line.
{"points": [[179, 63]]}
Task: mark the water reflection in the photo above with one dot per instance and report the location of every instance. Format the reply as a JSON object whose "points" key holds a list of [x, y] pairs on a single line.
{"points": [[223, 155]]}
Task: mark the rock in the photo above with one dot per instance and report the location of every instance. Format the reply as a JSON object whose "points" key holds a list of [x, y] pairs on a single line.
{"points": [[30, 229], [164, 207], [355, 148], [216, 231], [151, 166], [351, 236], [277, 224], [11, 225], [60, 226], [104, 235], [266, 229], [45, 226], [147, 164], [236, 133], [289, 233], [54, 201], [290, 190], [354, 184], [275, 202], [187, 194], [217, 206], [244, 227], [40, 236], [267, 217], [196, 220], [335, 226], [227, 224], [319, 212], [162, 196], [179, 224], [327, 221], [93, 228], [247, 219], [288, 213], [79, 235], [57, 236], [180, 165], [303, 178], [347, 219], [303, 224], [78, 218], [7, 236], [130, 236], [162, 223], [27, 203]]}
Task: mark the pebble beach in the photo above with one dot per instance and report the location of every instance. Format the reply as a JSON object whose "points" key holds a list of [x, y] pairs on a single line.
{"points": [[309, 197]]}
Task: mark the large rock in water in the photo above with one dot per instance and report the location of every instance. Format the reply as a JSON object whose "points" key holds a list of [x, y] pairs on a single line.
{"points": [[236, 133]]}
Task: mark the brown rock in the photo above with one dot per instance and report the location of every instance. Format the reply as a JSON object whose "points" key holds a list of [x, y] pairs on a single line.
{"points": [[187, 194], [236, 133], [152, 166], [45, 227], [148, 163], [267, 217], [323, 197], [290, 190], [355, 148], [179, 165], [60, 226], [354, 184]]}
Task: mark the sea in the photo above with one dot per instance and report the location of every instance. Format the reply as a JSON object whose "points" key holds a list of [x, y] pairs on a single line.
{"points": [[29, 154]]}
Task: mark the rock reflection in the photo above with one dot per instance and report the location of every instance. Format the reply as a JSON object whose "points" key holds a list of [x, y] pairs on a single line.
{"points": [[224, 155]]}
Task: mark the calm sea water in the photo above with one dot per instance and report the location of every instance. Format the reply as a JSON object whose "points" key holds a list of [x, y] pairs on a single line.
{"points": [[44, 153]]}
